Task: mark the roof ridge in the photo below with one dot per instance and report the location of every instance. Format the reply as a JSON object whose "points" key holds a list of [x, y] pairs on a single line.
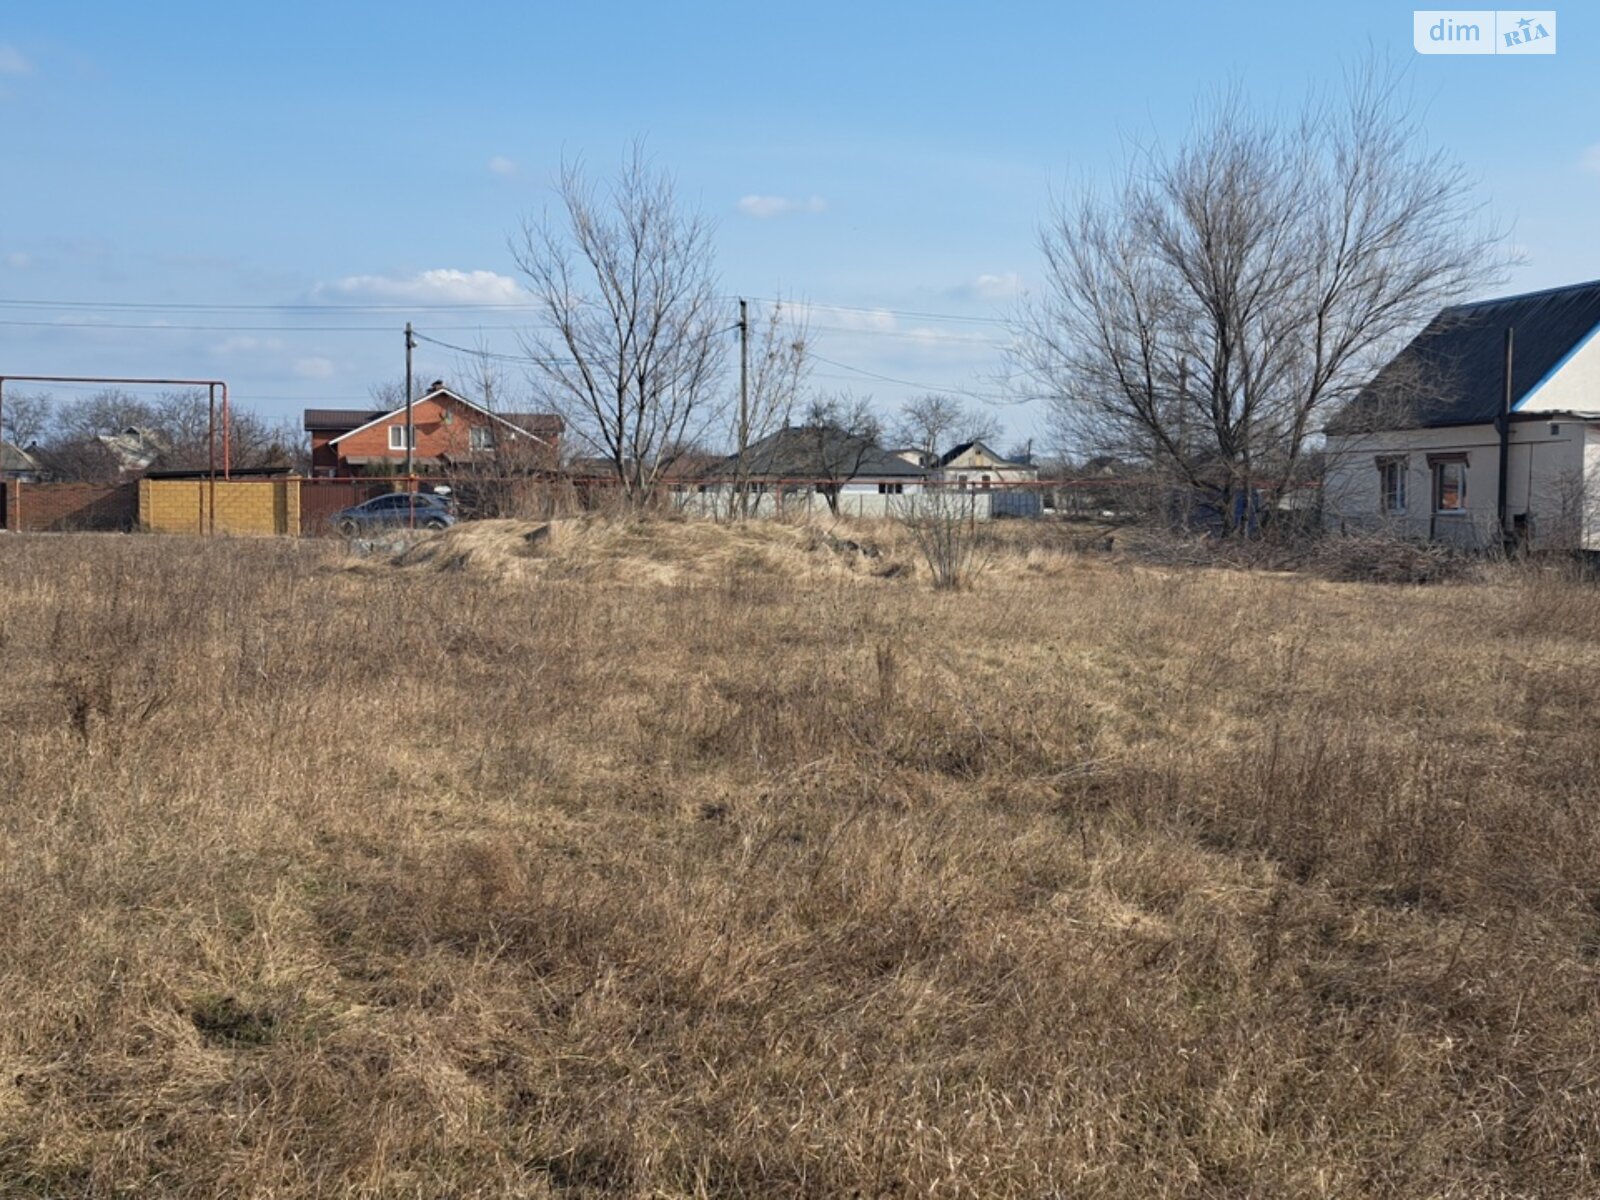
{"points": [[1549, 291]]}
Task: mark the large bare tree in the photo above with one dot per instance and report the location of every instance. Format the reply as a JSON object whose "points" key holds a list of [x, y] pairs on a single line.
{"points": [[1207, 317], [933, 423], [630, 337]]}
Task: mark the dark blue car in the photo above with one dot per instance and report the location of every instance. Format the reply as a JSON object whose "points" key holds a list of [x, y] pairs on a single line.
{"points": [[398, 509]]}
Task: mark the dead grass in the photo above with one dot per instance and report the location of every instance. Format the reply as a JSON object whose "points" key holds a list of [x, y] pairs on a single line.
{"points": [[671, 859]]}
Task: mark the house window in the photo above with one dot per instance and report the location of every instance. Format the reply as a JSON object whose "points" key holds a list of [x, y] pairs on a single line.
{"points": [[482, 437], [397, 437], [1449, 485], [1392, 485], [891, 489]]}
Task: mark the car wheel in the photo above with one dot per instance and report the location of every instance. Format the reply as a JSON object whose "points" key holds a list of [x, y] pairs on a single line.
{"points": [[348, 527], [435, 523]]}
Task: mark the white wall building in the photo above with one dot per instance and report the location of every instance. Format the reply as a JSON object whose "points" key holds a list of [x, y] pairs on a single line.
{"points": [[1419, 451]]}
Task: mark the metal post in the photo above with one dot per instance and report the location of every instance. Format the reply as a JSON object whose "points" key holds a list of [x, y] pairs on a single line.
{"points": [[411, 429], [411, 436], [227, 435], [12, 521], [211, 453], [1504, 423]]}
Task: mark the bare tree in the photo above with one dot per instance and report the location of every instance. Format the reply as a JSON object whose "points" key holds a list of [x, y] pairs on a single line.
{"points": [[175, 429], [27, 418], [842, 432], [935, 422], [629, 338], [1207, 318]]}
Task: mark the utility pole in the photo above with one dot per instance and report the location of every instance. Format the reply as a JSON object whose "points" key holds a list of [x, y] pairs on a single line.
{"points": [[744, 398], [744, 375], [1503, 428], [411, 429]]}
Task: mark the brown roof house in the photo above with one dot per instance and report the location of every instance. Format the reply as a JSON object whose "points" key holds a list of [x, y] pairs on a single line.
{"points": [[450, 431]]}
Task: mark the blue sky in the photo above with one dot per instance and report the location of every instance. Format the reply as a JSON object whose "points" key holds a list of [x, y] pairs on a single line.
{"points": [[889, 164]]}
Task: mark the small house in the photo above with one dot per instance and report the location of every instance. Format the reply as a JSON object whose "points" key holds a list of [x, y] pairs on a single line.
{"points": [[976, 465], [1484, 429], [17, 464]]}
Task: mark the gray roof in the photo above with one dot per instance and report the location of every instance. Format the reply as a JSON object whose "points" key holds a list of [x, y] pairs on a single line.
{"points": [[803, 452], [1453, 372], [16, 460]]}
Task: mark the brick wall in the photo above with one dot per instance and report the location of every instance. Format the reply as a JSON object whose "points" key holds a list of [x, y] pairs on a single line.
{"points": [[243, 506], [53, 507]]}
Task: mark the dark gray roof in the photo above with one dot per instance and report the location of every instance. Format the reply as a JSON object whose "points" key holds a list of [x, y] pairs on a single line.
{"points": [[955, 452], [1453, 372], [803, 452], [340, 419]]}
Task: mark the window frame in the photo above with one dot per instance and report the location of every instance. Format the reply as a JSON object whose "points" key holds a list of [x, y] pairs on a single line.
{"points": [[480, 438], [397, 438], [1438, 464], [1400, 467]]}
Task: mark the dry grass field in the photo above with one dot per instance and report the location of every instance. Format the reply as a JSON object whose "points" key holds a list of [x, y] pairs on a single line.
{"points": [[663, 860]]}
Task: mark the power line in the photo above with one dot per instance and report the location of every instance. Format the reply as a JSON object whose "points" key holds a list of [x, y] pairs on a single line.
{"points": [[490, 354], [444, 306], [162, 327], [914, 335], [929, 387], [893, 312]]}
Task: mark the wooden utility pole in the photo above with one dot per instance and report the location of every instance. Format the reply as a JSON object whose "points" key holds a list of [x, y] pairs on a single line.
{"points": [[411, 429], [744, 401]]}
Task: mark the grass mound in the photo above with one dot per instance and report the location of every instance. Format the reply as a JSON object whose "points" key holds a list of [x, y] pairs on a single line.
{"points": [[656, 551]]}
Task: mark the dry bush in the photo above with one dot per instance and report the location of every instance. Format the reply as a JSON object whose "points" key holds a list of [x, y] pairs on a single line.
{"points": [[1093, 880], [1390, 558], [945, 529]]}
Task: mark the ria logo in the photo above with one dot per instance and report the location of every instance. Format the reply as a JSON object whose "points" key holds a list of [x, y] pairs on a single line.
{"points": [[1527, 32], [1483, 31]]}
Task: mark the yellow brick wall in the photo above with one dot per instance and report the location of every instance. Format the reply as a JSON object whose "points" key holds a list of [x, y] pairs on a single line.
{"points": [[243, 506]]}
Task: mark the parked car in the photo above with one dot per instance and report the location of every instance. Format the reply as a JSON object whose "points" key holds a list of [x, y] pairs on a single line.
{"points": [[396, 509]]}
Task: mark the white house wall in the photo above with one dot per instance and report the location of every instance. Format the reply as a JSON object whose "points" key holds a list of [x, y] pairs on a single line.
{"points": [[1574, 385], [855, 500], [1550, 465]]}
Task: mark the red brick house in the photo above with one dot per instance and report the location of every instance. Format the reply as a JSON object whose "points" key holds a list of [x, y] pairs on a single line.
{"points": [[451, 431]]}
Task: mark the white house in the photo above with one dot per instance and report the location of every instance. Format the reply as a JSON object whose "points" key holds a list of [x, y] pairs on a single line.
{"points": [[975, 465], [1431, 449]]}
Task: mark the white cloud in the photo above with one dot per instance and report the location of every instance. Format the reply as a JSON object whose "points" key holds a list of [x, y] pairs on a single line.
{"points": [[1005, 285], [12, 61], [18, 261], [779, 206], [997, 287], [1589, 160], [502, 166], [314, 367], [245, 345], [871, 320], [442, 286]]}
